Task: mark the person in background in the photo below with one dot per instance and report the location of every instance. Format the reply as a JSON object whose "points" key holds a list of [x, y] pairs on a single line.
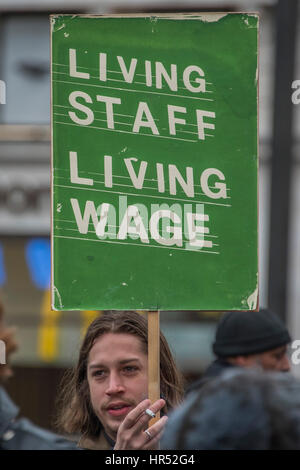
{"points": [[20, 433], [243, 409], [105, 397], [247, 339]]}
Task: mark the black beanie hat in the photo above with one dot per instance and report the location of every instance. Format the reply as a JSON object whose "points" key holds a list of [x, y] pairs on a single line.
{"points": [[242, 333]]}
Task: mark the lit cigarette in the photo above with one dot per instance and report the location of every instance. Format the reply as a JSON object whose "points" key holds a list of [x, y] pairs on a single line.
{"points": [[150, 413]]}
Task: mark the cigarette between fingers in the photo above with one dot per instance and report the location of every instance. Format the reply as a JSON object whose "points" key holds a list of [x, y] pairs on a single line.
{"points": [[150, 413]]}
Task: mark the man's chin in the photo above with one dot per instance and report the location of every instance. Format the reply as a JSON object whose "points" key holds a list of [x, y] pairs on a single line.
{"points": [[112, 429], [113, 423]]}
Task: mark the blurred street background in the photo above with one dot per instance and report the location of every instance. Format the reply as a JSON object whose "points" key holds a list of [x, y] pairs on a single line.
{"points": [[49, 340]]}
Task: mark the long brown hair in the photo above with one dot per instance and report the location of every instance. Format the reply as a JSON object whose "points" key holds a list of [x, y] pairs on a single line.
{"points": [[75, 409]]}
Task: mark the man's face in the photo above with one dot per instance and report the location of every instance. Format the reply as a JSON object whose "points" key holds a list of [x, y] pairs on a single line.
{"points": [[275, 359], [118, 378]]}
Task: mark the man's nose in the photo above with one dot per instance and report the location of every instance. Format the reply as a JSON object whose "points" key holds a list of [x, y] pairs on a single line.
{"points": [[115, 384], [285, 365]]}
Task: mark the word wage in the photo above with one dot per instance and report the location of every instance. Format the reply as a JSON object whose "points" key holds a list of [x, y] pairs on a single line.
{"points": [[135, 222]]}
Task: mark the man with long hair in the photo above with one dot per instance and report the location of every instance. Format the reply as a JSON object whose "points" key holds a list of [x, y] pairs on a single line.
{"points": [[104, 398]]}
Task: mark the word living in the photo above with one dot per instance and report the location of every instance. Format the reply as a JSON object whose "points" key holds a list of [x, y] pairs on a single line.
{"points": [[161, 73], [143, 115], [128, 73], [137, 177]]}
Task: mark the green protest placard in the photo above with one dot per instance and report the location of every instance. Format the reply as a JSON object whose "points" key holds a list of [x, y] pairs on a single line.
{"points": [[154, 162]]}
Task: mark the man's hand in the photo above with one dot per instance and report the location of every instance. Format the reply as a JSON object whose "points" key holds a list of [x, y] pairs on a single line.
{"points": [[131, 434]]}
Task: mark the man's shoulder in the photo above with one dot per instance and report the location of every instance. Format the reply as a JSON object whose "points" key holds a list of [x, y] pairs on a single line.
{"points": [[22, 434], [215, 369]]}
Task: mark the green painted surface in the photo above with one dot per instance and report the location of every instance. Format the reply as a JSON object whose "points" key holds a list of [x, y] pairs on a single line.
{"points": [[113, 113]]}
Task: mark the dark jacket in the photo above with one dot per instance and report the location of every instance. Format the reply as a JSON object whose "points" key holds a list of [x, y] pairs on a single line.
{"points": [[102, 442], [22, 434], [215, 369]]}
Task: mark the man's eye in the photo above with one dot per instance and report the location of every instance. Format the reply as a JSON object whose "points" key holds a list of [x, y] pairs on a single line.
{"points": [[98, 373], [130, 369], [279, 356]]}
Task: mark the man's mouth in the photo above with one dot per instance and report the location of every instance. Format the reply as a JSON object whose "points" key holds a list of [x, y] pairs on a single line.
{"points": [[119, 409]]}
